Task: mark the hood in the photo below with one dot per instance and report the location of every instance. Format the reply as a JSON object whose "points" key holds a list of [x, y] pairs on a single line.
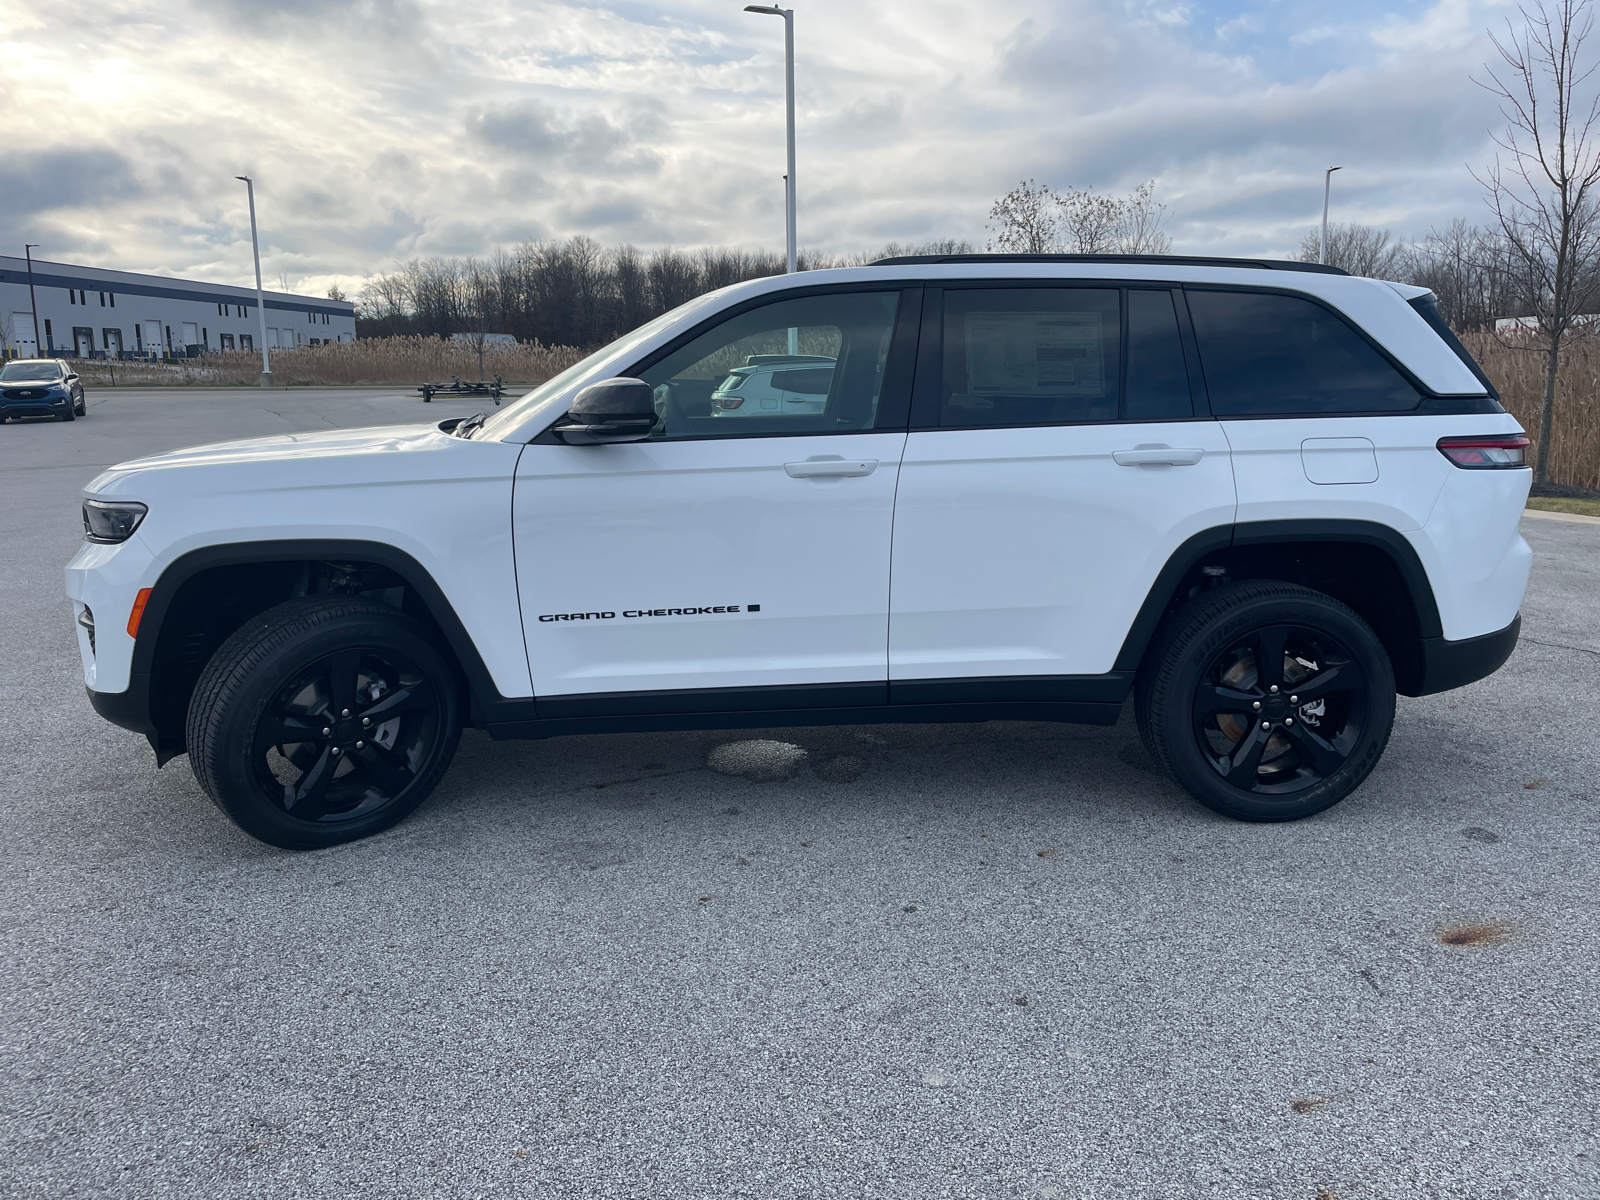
{"points": [[315, 452]]}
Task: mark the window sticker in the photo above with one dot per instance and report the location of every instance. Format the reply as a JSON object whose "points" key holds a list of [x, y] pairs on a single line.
{"points": [[1035, 354]]}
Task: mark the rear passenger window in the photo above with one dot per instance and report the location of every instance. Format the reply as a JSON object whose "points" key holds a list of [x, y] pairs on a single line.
{"points": [[1272, 355], [1030, 356], [1158, 380]]}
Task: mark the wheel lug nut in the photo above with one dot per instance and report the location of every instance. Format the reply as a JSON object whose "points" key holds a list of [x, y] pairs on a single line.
{"points": [[335, 751], [1256, 706], [1266, 724], [1273, 689], [346, 712], [327, 731], [1286, 721], [365, 721], [361, 745], [1294, 699]]}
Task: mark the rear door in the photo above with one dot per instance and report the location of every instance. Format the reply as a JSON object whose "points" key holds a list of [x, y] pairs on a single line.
{"points": [[1055, 462], [740, 551]]}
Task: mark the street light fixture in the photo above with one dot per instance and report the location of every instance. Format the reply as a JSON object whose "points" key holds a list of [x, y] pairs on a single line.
{"points": [[1327, 182], [788, 190], [33, 303], [261, 305]]}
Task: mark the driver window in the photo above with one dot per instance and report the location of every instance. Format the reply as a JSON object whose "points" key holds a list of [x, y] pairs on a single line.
{"points": [[811, 364]]}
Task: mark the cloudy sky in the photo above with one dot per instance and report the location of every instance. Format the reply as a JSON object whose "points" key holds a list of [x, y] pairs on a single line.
{"points": [[379, 130]]}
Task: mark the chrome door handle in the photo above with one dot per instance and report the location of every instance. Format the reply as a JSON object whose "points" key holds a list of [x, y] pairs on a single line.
{"points": [[1157, 456], [821, 468]]}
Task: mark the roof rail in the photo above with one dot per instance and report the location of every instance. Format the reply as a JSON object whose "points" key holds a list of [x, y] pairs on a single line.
{"points": [[1171, 260]]}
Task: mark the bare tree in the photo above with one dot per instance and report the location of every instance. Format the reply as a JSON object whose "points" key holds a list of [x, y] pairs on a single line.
{"points": [[1033, 219], [1470, 273], [1542, 192], [1026, 220], [1142, 220], [1359, 249]]}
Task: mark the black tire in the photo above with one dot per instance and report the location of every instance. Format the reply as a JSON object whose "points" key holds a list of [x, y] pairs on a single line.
{"points": [[83, 406], [296, 669], [1276, 756], [66, 413]]}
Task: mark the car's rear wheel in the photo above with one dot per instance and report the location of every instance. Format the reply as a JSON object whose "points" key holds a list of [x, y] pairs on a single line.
{"points": [[322, 721], [1266, 701]]}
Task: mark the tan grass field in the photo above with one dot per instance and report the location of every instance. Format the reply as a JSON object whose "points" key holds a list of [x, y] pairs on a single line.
{"points": [[1517, 369], [403, 361]]}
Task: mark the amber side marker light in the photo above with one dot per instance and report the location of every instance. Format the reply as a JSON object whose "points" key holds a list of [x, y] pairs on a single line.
{"points": [[1491, 453], [137, 614]]}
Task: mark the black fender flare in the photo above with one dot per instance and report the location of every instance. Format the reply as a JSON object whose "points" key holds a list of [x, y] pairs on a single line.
{"points": [[1193, 552], [133, 711]]}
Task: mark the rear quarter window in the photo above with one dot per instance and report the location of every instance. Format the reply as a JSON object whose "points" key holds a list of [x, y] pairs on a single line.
{"points": [[1266, 354]]}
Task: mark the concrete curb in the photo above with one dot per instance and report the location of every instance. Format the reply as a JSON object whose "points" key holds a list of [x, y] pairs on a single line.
{"points": [[1578, 518]]}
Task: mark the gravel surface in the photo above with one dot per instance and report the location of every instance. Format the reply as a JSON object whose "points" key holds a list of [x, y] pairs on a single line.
{"points": [[999, 960]]}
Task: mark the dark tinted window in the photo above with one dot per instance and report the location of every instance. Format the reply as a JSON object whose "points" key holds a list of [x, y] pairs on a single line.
{"points": [[1029, 356], [1267, 354], [1158, 381], [809, 364]]}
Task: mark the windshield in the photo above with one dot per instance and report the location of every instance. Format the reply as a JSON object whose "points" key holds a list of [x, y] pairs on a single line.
{"points": [[521, 410], [29, 372]]}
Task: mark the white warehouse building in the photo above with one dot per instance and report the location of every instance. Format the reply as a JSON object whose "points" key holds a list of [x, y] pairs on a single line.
{"points": [[90, 312]]}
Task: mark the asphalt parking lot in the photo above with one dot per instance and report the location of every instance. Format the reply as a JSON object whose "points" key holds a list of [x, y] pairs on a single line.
{"points": [[1001, 960]]}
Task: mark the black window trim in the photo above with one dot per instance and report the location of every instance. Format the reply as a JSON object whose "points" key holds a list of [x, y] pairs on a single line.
{"points": [[898, 372], [1432, 404], [925, 401]]}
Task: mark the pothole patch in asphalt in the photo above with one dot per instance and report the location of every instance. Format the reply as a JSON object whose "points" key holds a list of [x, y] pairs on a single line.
{"points": [[759, 760]]}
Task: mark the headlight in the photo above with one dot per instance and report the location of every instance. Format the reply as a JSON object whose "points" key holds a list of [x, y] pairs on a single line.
{"points": [[111, 520]]}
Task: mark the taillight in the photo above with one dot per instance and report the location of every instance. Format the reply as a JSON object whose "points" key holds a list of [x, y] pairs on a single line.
{"points": [[1486, 453], [726, 402]]}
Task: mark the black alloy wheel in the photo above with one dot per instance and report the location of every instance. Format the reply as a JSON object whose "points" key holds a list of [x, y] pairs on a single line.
{"points": [[343, 737], [1280, 710], [323, 720], [1266, 701]]}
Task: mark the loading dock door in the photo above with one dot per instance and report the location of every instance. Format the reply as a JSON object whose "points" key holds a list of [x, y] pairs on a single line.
{"points": [[152, 336], [83, 340], [22, 334]]}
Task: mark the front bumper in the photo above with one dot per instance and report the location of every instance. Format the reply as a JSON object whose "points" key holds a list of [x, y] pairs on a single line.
{"points": [[1447, 664]]}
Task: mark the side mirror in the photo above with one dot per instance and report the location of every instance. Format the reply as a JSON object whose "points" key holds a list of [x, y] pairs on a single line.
{"points": [[617, 410]]}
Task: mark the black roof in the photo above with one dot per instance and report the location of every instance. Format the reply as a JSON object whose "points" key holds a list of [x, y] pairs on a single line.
{"points": [[1172, 260]]}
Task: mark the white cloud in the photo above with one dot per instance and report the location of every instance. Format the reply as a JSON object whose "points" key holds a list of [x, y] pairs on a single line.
{"points": [[381, 129]]}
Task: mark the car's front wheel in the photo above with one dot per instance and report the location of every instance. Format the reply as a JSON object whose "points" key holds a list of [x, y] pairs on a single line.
{"points": [[322, 721], [1266, 701]]}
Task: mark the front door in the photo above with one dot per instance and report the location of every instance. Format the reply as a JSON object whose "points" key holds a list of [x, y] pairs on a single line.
{"points": [[1056, 461], [735, 548]]}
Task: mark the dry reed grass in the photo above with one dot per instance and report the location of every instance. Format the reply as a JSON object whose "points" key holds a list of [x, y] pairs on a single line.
{"points": [[1516, 365], [406, 361]]}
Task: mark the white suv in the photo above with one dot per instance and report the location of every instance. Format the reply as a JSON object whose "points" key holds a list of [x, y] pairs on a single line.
{"points": [[1259, 498]]}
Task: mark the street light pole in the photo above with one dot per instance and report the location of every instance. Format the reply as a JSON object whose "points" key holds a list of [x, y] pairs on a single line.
{"points": [[792, 256], [33, 302], [261, 306], [1327, 183]]}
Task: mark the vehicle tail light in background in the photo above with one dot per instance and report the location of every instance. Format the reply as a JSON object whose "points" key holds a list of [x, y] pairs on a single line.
{"points": [[1495, 452], [137, 614], [726, 402]]}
